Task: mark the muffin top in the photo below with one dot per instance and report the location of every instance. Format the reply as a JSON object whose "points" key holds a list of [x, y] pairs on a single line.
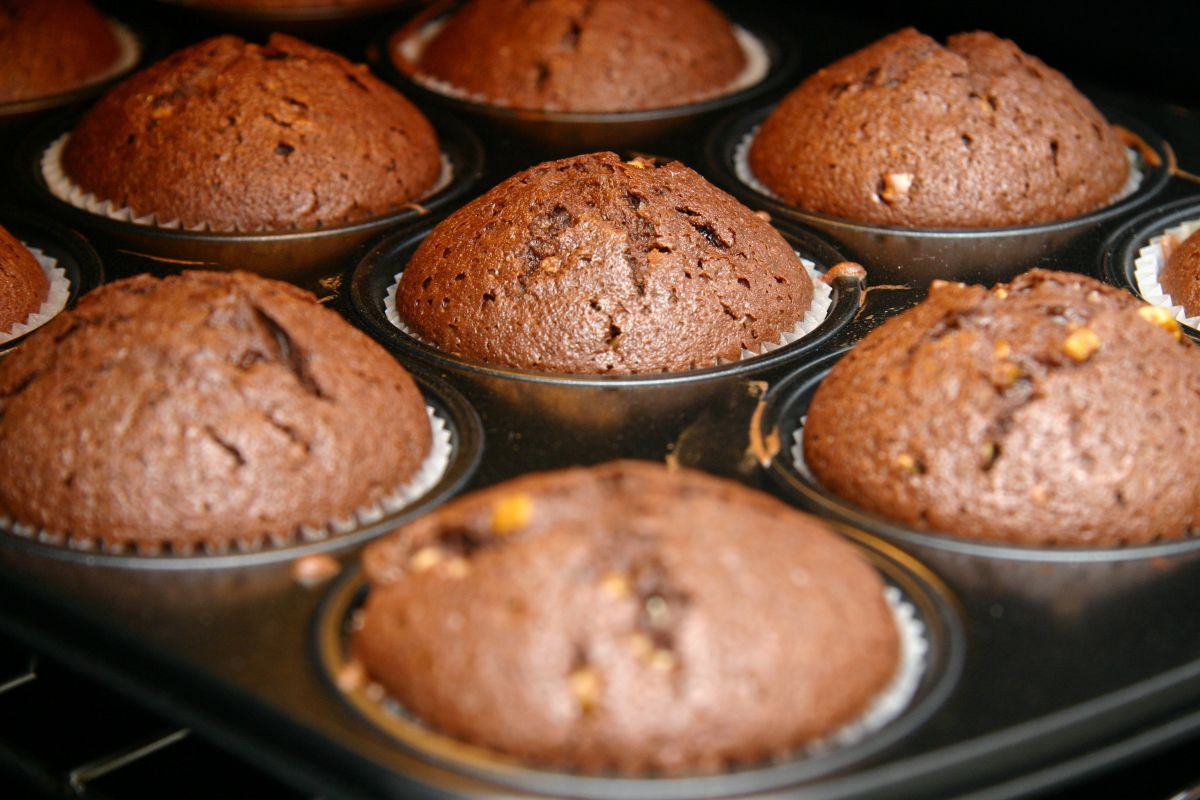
{"points": [[1180, 277], [236, 135], [625, 617], [976, 134], [592, 265], [206, 408], [23, 282], [1043, 412], [585, 55], [52, 46]]}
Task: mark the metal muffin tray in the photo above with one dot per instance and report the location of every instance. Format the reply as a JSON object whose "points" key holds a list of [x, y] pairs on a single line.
{"points": [[1044, 666]]}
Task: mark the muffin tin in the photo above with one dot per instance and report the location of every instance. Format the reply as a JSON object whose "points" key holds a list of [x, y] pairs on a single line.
{"points": [[1043, 665]]}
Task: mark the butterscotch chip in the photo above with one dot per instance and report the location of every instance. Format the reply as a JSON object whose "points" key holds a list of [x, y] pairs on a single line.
{"points": [[643, 621], [1161, 317], [1071, 453], [975, 134]]}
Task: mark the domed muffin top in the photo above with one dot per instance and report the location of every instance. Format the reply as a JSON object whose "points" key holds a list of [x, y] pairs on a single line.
{"points": [[625, 617], [585, 55], [23, 282], [52, 46], [206, 408], [593, 265], [976, 134], [1042, 412], [234, 135]]}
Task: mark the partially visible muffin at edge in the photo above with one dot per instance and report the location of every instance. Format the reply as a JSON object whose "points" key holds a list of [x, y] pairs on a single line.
{"points": [[23, 283], [48, 47], [236, 135], [1180, 276], [626, 618], [975, 134], [1050, 411], [591, 264], [585, 55], [206, 408]]}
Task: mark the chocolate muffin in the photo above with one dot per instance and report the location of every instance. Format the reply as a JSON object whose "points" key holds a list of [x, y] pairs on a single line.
{"points": [[625, 617], [234, 135], [572, 55], [201, 409], [592, 265], [23, 283], [1180, 277], [1043, 412], [976, 134], [52, 46]]}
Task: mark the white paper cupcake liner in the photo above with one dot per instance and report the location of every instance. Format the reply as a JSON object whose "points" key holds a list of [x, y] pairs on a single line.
{"points": [[56, 297], [741, 168], [1149, 265], [885, 707], [818, 311], [410, 49], [65, 189], [425, 478]]}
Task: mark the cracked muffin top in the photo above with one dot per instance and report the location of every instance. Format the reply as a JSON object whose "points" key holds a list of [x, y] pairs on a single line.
{"points": [[626, 618], [52, 46], [584, 55], [23, 282], [205, 408], [593, 265], [240, 136], [1053, 410], [1180, 276], [976, 134]]}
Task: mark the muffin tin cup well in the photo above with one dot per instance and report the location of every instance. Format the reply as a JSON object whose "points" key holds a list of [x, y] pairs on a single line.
{"points": [[932, 606], [299, 256], [1121, 251], [921, 255], [71, 251], [603, 413], [536, 135], [465, 436], [782, 420]]}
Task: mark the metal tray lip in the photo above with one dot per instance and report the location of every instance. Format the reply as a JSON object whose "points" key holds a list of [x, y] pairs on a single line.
{"points": [[1119, 251], [934, 602], [727, 134], [799, 386], [783, 54], [368, 305], [456, 141], [467, 444], [82, 264]]}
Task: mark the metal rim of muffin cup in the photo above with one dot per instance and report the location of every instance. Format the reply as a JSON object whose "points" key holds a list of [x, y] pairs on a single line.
{"points": [[925, 254], [136, 45], [584, 130], [72, 252], [466, 450], [785, 406], [369, 280], [935, 607], [1120, 251], [287, 255]]}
